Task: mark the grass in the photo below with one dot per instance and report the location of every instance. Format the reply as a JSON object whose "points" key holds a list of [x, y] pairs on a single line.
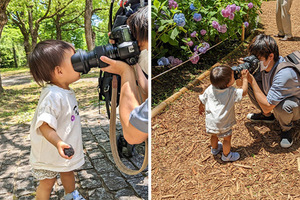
{"points": [[18, 102]]}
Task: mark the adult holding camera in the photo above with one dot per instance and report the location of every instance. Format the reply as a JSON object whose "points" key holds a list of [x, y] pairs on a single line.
{"points": [[133, 114], [278, 92]]}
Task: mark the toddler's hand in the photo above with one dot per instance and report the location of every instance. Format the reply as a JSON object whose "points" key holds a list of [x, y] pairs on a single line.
{"points": [[60, 147], [201, 109], [244, 74]]}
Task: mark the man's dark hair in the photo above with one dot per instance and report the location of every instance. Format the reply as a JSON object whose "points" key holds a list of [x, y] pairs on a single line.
{"points": [[45, 57], [138, 24], [220, 76], [264, 45]]}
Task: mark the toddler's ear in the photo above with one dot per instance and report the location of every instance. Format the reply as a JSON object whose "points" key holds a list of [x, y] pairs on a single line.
{"points": [[57, 70]]}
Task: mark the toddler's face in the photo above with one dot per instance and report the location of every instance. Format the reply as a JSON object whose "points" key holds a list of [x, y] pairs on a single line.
{"points": [[231, 82], [70, 75]]}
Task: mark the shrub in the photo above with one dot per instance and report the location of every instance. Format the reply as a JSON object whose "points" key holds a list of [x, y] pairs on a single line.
{"points": [[184, 28]]}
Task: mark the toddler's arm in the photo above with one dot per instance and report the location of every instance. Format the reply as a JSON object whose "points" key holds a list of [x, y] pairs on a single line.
{"points": [[201, 108], [244, 74], [51, 135]]}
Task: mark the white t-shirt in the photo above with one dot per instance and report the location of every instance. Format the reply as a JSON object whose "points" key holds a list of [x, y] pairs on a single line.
{"points": [[143, 60], [57, 107], [219, 108]]}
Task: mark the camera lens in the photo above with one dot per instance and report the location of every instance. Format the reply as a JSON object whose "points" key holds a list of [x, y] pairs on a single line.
{"points": [[83, 61]]}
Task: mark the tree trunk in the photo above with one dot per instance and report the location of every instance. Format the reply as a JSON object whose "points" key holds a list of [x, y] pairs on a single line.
{"points": [[58, 26], [3, 21], [15, 57], [88, 24]]}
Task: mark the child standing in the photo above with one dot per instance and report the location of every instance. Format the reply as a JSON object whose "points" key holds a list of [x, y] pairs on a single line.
{"points": [[56, 123], [218, 102]]}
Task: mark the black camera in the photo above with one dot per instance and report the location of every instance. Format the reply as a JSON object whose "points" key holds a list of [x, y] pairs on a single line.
{"points": [[125, 49], [251, 63]]}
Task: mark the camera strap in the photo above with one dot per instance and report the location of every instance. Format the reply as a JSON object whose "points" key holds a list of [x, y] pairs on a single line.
{"points": [[112, 136]]}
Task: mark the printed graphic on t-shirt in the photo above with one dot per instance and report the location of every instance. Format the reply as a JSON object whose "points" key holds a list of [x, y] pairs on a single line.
{"points": [[75, 109]]}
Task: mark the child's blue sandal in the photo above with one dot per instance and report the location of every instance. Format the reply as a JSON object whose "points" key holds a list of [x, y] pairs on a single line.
{"points": [[216, 151], [73, 196]]}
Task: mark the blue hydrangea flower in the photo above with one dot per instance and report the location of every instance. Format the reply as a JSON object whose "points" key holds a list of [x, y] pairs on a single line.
{"points": [[197, 17], [179, 19], [163, 61], [192, 7]]}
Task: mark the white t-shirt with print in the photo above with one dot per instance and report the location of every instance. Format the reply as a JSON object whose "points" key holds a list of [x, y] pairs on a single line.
{"points": [[219, 108], [57, 107]]}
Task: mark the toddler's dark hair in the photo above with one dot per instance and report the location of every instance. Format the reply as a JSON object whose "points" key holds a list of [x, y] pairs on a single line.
{"points": [[220, 76], [45, 57], [138, 24]]}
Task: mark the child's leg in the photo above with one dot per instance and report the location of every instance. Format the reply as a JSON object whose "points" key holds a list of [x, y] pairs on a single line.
{"points": [[44, 189], [68, 181], [226, 145], [214, 141]]}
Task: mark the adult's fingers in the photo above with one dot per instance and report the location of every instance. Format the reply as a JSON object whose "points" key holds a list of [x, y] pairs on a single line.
{"points": [[108, 60]]}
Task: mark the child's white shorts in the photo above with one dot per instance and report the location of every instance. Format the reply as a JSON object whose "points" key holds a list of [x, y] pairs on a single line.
{"points": [[222, 135], [41, 174]]}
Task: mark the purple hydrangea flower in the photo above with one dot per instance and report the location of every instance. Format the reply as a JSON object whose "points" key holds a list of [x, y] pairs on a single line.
{"points": [[215, 24], [202, 50], [226, 12], [190, 43], [179, 19], [203, 32], [171, 59], [246, 24], [196, 48], [172, 4], [197, 17], [194, 58], [174, 61], [163, 61], [222, 28], [194, 34], [206, 45], [250, 5], [238, 8], [192, 7], [231, 16], [233, 8]]}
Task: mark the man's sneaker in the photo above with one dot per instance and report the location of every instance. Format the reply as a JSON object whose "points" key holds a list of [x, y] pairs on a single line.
{"points": [[74, 196], [232, 156], [216, 151], [286, 139], [259, 117]]}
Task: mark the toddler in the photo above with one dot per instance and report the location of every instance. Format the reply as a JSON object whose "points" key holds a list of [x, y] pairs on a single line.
{"points": [[56, 123], [218, 102]]}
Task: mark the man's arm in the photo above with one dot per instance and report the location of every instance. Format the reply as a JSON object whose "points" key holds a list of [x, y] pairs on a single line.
{"points": [[128, 98], [260, 96]]}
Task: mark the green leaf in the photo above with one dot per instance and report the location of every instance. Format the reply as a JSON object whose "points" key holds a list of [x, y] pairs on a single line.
{"points": [[170, 21], [156, 3], [174, 33], [174, 42], [161, 28], [165, 38]]}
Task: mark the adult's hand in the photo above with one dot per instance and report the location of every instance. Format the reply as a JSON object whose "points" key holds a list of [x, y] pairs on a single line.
{"points": [[115, 66]]}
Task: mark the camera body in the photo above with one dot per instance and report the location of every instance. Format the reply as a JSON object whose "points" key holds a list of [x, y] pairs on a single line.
{"points": [[125, 49], [251, 63]]}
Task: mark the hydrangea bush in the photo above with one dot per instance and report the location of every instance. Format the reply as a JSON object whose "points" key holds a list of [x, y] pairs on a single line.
{"points": [[182, 29]]}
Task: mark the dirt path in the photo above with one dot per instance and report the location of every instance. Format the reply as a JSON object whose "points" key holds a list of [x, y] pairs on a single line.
{"points": [[183, 168]]}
